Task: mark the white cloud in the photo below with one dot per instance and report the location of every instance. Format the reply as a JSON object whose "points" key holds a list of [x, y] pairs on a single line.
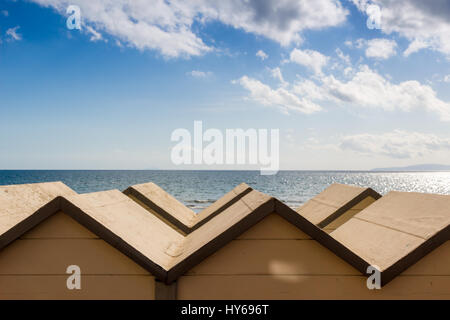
{"points": [[425, 23], [342, 56], [166, 26], [381, 48], [311, 91], [368, 89], [347, 71], [5, 13], [276, 73], [415, 46], [161, 26], [447, 78], [280, 98], [311, 59], [376, 48], [13, 35], [200, 74], [281, 21], [397, 144], [262, 55]]}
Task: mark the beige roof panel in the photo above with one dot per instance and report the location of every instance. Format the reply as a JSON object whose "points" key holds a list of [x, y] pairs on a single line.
{"points": [[397, 230], [378, 245], [162, 202], [130, 222], [332, 202], [419, 214]]}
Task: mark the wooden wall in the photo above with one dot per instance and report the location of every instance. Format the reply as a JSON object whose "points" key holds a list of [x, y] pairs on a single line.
{"points": [[34, 266], [272, 260], [275, 260]]}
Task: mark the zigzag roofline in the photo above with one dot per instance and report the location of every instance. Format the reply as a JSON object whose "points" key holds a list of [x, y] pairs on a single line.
{"points": [[255, 210], [209, 237]]}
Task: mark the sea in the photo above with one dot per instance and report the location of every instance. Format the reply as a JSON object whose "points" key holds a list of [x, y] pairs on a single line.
{"points": [[198, 189]]}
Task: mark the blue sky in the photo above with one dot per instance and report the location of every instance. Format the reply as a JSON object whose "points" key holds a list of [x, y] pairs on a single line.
{"points": [[109, 95]]}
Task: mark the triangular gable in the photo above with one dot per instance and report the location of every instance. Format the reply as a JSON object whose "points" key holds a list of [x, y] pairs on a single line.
{"points": [[20, 203]]}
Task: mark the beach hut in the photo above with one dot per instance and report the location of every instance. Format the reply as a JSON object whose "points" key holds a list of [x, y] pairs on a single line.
{"points": [[47, 228], [144, 244], [119, 245], [319, 251]]}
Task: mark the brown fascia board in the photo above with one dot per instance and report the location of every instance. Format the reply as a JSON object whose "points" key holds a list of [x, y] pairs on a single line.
{"points": [[415, 255], [190, 220]]}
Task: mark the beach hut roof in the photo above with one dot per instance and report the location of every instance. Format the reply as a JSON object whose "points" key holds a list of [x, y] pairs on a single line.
{"points": [[166, 238], [19, 203], [397, 230], [129, 227]]}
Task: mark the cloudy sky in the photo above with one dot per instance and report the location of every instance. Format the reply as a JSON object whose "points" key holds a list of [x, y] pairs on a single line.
{"points": [[347, 90]]}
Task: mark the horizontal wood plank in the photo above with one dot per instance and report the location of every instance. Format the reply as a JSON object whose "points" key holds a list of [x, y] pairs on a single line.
{"points": [[273, 257], [300, 257], [92, 287], [310, 287], [52, 256]]}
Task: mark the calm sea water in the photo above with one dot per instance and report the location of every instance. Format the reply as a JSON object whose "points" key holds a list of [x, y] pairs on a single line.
{"points": [[198, 189]]}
